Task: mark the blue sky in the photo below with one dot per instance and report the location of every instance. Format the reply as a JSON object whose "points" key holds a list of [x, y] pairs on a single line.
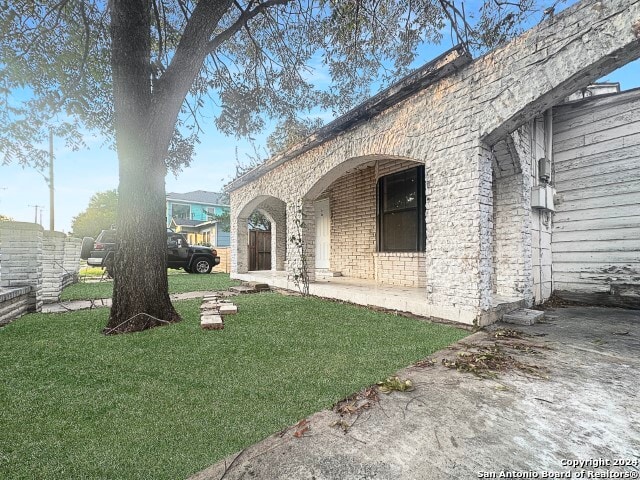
{"points": [[78, 175]]}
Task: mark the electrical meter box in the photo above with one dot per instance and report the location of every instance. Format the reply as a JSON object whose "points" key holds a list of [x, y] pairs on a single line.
{"points": [[542, 197]]}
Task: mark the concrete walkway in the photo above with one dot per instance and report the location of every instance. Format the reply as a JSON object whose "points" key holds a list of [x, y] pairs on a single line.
{"points": [[457, 426], [74, 305]]}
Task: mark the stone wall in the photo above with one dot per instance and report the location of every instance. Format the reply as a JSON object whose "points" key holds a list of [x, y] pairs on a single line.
{"points": [[22, 259], [36, 264], [52, 265], [14, 302], [451, 126]]}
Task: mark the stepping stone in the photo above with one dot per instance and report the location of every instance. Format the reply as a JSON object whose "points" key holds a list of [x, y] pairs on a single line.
{"points": [[227, 309], [211, 322], [209, 305], [243, 289], [260, 287], [524, 316]]}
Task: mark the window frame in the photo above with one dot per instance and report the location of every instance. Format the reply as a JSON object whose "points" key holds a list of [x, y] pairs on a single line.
{"points": [[420, 209]]}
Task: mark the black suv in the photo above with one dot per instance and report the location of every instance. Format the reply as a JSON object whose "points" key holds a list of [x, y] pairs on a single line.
{"points": [[192, 258]]}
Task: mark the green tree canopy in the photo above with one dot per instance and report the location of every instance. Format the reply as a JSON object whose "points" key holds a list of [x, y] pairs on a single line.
{"points": [[99, 215], [151, 74]]}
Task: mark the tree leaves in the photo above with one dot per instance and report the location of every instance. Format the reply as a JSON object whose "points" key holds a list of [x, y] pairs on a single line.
{"points": [[99, 215], [56, 62]]}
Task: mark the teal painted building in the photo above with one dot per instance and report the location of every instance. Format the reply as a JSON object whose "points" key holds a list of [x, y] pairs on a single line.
{"points": [[192, 214]]}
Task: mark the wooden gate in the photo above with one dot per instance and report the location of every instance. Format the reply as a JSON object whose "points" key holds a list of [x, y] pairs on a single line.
{"points": [[259, 250]]}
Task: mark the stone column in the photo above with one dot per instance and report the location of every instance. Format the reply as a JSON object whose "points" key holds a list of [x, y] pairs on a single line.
{"points": [[513, 275], [279, 241], [301, 224], [459, 230], [71, 261], [52, 265], [72, 247], [239, 245], [22, 259]]}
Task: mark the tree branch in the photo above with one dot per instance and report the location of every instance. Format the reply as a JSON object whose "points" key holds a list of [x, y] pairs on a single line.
{"points": [[241, 21]]}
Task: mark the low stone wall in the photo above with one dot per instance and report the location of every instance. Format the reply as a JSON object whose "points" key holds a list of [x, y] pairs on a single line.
{"points": [[14, 302], [68, 279], [21, 265], [42, 262]]}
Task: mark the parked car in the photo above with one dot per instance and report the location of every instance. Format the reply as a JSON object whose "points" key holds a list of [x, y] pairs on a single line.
{"points": [[192, 258]]}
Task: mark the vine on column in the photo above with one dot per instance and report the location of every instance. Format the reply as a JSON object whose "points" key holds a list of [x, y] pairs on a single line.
{"points": [[300, 266]]}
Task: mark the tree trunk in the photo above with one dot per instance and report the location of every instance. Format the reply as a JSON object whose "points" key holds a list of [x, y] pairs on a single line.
{"points": [[140, 290], [145, 116]]}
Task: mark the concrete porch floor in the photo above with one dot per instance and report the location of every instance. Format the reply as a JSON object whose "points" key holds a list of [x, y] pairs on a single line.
{"points": [[371, 293]]}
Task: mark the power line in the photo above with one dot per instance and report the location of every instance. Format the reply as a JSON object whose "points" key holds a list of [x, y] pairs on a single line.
{"points": [[36, 207]]}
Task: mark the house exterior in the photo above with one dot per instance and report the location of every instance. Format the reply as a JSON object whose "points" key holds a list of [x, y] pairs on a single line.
{"points": [[470, 185], [191, 213]]}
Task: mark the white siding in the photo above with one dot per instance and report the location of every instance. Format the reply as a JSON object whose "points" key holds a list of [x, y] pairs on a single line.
{"points": [[596, 235]]}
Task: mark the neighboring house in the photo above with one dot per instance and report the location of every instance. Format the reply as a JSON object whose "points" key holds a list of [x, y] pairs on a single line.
{"points": [[192, 213], [468, 189]]}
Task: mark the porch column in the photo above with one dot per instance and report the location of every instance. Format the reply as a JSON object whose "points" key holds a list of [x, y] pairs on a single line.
{"points": [[278, 218], [459, 221], [301, 238], [278, 244], [239, 245]]}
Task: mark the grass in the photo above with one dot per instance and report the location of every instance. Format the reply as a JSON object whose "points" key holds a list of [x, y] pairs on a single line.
{"points": [[178, 283], [87, 271], [168, 402]]}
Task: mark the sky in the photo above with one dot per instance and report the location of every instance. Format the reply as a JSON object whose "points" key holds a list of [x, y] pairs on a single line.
{"points": [[24, 193]]}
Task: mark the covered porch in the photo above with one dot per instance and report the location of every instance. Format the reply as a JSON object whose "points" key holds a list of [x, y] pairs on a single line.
{"points": [[369, 293], [422, 195]]}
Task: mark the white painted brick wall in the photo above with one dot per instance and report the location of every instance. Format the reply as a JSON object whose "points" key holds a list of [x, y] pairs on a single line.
{"points": [[450, 127]]}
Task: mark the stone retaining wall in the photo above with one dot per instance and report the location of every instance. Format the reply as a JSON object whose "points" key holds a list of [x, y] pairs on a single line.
{"points": [[13, 303], [36, 263]]}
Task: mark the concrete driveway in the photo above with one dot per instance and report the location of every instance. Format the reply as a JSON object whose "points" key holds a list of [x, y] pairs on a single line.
{"points": [[456, 425]]}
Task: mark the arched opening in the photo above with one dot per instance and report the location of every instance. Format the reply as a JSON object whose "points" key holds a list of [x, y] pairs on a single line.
{"points": [[260, 232], [369, 220]]}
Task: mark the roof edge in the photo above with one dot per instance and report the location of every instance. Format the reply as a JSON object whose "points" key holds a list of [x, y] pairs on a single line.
{"points": [[428, 74]]}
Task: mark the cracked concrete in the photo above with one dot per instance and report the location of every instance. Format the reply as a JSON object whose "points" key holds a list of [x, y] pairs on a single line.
{"points": [[456, 426]]}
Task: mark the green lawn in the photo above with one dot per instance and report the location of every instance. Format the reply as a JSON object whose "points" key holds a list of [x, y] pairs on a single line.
{"points": [[178, 283], [168, 402]]}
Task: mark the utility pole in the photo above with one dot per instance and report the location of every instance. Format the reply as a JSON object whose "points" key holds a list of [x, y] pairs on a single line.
{"points": [[36, 207], [51, 199]]}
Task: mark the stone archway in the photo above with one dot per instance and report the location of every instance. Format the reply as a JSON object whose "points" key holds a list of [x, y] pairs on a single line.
{"points": [[274, 210], [350, 190], [450, 115]]}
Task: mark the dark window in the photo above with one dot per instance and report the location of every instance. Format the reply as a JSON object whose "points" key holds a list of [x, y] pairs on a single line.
{"points": [[401, 204], [107, 236], [181, 211]]}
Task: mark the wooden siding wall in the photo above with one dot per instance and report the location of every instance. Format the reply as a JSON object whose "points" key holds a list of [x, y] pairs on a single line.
{"points": [[596, 235]]}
